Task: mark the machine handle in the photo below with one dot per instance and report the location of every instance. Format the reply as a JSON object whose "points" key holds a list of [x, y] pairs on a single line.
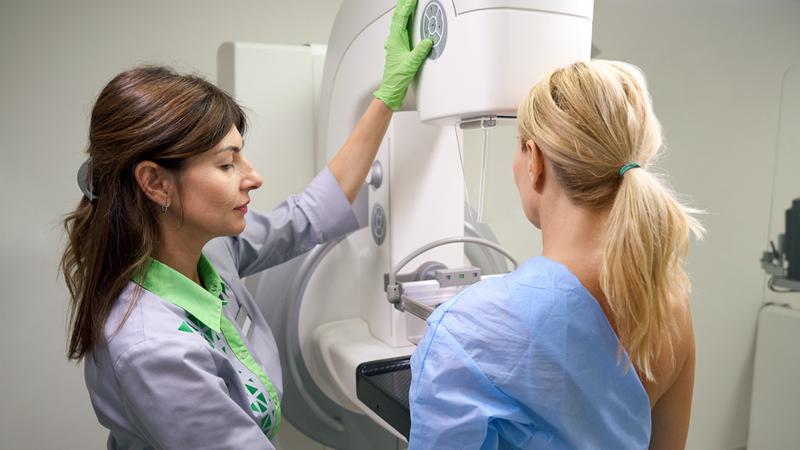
{"points": [[393, 288]]}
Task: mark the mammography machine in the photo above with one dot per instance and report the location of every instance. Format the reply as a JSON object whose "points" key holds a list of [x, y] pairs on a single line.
{"points": [[347, 315]]}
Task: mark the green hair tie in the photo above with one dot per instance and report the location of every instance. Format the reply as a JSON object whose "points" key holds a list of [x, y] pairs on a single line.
{"points": [[628, 167]]}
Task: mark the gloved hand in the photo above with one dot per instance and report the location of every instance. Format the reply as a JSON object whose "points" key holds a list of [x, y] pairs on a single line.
{"points": [[402, 63]]}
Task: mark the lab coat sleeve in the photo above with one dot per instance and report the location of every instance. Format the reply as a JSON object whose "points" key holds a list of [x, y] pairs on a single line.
{"points": [[453, 403], [171, 390], [319, 214]]}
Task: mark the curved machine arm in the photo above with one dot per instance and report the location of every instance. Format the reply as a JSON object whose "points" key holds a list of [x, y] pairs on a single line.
{"points": [[394, 290]]}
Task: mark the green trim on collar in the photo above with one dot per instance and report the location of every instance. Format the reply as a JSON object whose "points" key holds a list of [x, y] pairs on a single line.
{"points": [[171, 285]]}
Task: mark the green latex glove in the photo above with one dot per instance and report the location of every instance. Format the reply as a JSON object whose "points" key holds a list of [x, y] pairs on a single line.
{"points": [[402, 63]]}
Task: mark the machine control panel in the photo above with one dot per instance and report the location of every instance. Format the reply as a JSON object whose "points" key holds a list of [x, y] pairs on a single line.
{"points": [[458, 277], [434, 27]]}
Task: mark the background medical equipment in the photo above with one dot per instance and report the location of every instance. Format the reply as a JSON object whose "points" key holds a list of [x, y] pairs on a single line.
{"points": [[782, 262], [774, 409], [775, 398]]}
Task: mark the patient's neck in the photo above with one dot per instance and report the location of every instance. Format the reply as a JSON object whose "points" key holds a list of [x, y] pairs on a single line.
{"points": [[573, 235]]}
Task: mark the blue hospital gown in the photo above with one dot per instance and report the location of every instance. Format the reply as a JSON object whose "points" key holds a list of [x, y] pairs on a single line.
{"points": [[528, 361]]}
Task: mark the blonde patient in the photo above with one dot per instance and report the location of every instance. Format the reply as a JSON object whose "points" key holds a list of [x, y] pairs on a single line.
{"points": [[589, 345]]}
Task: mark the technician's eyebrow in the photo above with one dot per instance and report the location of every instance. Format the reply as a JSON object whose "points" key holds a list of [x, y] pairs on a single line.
{"points": [[229, 148]]}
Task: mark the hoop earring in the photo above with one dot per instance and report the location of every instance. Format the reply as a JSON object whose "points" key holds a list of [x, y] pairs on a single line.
{"points": [[165, 207]]}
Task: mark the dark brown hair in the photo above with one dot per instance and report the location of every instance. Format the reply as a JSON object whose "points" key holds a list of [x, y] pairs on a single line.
{"points": [[144, 114]]}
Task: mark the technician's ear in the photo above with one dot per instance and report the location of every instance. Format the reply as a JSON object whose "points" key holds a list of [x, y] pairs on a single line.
{"points": [[536, 165], [155, 181]]}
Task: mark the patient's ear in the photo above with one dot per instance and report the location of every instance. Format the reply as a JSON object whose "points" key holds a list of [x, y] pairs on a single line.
{"points": [[536, 166]]}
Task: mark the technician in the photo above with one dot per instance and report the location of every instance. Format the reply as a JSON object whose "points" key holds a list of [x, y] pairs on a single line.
{"points": [[176, 352]]}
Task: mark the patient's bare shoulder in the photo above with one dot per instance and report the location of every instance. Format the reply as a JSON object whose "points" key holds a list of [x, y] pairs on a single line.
{"points": [[671, 394]]}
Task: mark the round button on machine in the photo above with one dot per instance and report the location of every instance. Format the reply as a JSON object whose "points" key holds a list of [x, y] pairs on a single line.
{"points": [[433, 26]]}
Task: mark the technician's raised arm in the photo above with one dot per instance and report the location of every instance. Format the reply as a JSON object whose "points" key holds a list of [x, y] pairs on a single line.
{"points": [[352, 162]]}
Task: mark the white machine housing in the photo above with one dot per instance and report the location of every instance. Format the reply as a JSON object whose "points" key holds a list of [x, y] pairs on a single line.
{"points": [[494, 51], [492, 54]]}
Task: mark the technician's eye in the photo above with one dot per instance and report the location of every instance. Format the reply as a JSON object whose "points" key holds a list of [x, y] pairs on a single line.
{"points": [[226, 166]]}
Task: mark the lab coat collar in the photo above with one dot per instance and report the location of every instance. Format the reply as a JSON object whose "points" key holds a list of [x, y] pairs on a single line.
{"points": [[172, 286]]}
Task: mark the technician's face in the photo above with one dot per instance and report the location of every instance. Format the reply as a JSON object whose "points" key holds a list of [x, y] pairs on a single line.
{"points": [[215, 188]]}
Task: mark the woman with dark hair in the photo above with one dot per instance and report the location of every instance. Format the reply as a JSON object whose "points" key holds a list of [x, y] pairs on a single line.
{"points": [[179, 354]]}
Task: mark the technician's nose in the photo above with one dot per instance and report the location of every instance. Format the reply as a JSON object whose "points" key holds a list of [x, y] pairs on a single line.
{"points": [[252, 179]]}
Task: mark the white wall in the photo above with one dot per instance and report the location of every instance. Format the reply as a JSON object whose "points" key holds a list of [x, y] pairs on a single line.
{"points": [[714, 69], [55, 56]]}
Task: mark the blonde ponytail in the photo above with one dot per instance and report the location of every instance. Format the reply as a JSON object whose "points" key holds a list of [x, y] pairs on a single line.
{"points": [[590, 119], [646, 243]]}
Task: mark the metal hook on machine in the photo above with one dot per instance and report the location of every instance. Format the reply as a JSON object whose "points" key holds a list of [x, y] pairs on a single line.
{"points": [[478, 122]]}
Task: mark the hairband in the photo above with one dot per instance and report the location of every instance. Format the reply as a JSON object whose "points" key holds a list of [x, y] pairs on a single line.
{"points": [[628, 167]]}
